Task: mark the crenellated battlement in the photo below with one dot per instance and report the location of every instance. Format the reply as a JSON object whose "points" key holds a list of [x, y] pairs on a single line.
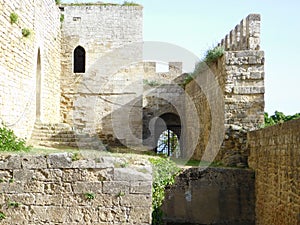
{"points": [[245, 36]]}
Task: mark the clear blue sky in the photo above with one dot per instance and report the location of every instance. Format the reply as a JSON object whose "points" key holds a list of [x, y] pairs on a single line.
{"points": [[197, 25]]}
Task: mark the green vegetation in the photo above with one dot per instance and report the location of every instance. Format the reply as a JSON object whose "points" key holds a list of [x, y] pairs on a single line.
{"points": [[9, 142], [201, 66], [62, 18], [212, 55], [77, 156], [151, 83], [14, 204], [89, 196], [2, 216], [13, 18], [47, 151], [121, 164], [26, 32], [126, 3], [278, 117], [164, 173], [121, 194], [57, 2]]}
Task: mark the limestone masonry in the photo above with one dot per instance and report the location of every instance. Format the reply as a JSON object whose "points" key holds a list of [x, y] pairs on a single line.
{"points": [[59, 189], [274, 155], [78, 79]]}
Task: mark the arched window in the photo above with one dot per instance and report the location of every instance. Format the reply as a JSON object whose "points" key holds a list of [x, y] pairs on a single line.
{"points": [[79, 60], [38, 86]]}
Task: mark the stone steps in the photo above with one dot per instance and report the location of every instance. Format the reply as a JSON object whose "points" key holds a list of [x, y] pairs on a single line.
{"points": [[62, 135]]}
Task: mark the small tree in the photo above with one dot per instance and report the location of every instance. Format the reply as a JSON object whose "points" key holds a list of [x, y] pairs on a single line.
{"points": [[10, 142]]}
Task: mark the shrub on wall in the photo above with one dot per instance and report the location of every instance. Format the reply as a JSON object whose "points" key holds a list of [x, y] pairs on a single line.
{"points": [[62, 18], [126, 3], [13, 18], [212, 55], [26, 32], [10, 142]]}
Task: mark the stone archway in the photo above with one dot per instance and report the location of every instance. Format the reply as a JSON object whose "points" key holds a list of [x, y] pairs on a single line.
{"points": [[168, 124]]}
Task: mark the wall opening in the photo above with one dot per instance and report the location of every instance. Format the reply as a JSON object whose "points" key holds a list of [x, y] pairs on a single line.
{"points": [[38, 86], [167, 135], [79, 60], [168, 144]]}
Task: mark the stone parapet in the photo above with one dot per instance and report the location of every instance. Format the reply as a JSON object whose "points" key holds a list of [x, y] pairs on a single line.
{"points": [[245, 36]]}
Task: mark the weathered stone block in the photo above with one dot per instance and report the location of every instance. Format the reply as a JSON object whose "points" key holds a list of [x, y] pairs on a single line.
{"points": [[85, 187], [115, 187], [33, 187], [34, 162], [134, 200], [140, 187], [84, 164], [57, 188], [248, 90], [10, 162], [130, 174], [113, 215], [49, 200], [139, 215], [59, 160], [24, 175]]}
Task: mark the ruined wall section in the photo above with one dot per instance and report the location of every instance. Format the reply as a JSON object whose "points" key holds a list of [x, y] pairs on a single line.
{"points": [[274, 155], [99, 29], [240, 75], [70, 189], [211, 196], [18, 63]]}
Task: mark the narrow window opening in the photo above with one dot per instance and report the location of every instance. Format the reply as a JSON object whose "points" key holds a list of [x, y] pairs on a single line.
{"points": [[38, 86], [79, 60]]}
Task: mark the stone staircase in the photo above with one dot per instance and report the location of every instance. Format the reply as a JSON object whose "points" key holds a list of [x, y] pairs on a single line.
{"points": [[62, 136]]}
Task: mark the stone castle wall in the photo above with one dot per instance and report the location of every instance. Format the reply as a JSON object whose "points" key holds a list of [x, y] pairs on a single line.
{"points": [[64, 189], [18, 64], [239, 74], [103, 31], [274, 155], [130, 93]]}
